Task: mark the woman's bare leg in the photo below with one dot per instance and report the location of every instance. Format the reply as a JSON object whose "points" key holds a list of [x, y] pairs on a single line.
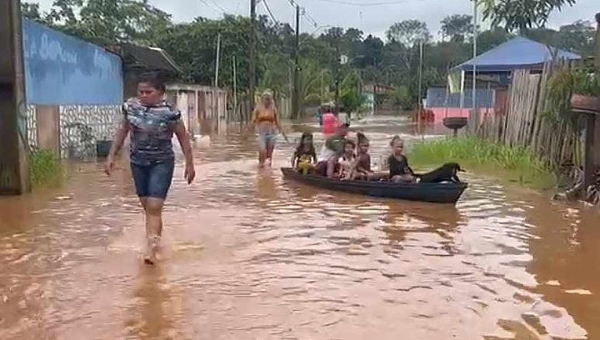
{"points": [[270, 149], [143, 201], [331, 166], [154, 227]]}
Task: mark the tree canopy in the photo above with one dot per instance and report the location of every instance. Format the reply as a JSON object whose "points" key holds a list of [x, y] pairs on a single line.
{"points": [[393, 61]]}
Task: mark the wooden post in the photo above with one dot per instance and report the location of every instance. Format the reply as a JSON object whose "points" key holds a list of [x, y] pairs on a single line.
{"points": [[596, 147], [588, 170], [14, 165]]}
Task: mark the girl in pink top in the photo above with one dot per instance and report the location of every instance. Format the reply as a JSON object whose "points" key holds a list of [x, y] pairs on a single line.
{"points": [[330, 124]]}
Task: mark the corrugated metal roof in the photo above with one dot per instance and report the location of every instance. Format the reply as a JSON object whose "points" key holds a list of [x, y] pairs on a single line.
{"points": [[153, 58], [518, 53]]}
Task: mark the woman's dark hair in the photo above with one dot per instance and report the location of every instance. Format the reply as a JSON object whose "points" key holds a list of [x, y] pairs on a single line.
{"points": [[305, 135], [351, 142], [361, 138], [394, 140], [153, 80]]}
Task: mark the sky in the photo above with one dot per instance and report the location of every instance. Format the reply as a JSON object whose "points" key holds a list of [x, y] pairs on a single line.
{"points": [[374, 18]]}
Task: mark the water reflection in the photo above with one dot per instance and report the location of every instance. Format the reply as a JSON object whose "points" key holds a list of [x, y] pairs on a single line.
{"points": [[151, 319], [248, 255]]}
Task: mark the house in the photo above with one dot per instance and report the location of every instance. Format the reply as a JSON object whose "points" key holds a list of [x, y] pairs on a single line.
{"points": [[493, 70], [74, 91], [203, 108]]}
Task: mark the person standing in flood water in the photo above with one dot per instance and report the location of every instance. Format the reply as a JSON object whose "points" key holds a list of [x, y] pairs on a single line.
{"points": [[266, 120], [152, 122]]}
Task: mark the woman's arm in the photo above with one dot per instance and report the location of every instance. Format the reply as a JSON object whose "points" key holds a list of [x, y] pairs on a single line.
{"points": [[186, 147], [120, 136], [278, 124]]}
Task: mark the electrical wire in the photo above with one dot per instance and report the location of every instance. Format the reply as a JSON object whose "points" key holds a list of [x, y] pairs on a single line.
{"points": [[369, 4], [221, 7], [304, 13], [266, 5], [210, 7]]}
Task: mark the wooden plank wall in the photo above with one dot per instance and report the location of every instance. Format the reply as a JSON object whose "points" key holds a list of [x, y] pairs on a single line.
{"points": [[524, 123]]}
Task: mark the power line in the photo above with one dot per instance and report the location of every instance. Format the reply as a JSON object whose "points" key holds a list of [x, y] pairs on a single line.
{"points": [[304, 12], [209, 6], [369, 4], [264, 2], [221, 7], [310, 18]]}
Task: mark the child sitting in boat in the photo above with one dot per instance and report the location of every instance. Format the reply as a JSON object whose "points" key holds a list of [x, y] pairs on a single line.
{"points": [[347, 161], [305, 155], [400, 171], [362, 165], [332, 151]]}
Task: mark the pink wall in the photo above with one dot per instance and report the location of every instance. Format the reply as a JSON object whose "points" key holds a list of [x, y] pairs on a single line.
{"points": [[441, 112]]}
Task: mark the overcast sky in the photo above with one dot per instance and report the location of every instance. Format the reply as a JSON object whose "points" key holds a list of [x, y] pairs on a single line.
{"points": [[372, 19]]}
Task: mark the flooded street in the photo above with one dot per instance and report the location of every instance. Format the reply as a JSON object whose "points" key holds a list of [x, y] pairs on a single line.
{"points": [[247, 255]]}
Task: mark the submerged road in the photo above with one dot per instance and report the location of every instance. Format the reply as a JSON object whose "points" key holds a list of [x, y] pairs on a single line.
{"points": [[247, 255]]}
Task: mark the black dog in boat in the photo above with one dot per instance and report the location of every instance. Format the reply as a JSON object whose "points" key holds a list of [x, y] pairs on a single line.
{"points": [[446, 173]]}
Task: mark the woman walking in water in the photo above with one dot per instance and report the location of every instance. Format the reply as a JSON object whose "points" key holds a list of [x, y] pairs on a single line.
{"points": [[152, 122], [266, 118]]}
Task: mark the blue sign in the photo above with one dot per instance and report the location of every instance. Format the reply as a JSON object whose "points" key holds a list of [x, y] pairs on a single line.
{"points": [[63, 70]]}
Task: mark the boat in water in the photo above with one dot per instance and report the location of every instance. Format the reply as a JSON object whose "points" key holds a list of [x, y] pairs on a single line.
{"points": [[423, 192]]}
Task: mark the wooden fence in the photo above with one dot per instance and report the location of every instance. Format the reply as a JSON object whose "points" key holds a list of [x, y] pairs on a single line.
{"points": [[526, 122]]}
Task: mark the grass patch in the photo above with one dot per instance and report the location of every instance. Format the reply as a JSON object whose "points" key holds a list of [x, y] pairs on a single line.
{"points": [[45, 169], [514, 164]]}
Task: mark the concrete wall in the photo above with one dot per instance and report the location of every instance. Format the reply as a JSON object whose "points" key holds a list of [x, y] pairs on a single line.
{"points": [[200, 114], [74, 91]]}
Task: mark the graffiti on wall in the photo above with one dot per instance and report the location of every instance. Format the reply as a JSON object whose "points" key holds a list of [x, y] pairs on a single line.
{"points": [[64, 70]]}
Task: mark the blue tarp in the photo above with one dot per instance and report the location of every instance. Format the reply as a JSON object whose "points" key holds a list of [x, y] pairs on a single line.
{"points": [[518, 53]]}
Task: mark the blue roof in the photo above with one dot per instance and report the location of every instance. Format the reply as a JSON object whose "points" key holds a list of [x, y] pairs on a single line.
{"points": [[518, 53]]}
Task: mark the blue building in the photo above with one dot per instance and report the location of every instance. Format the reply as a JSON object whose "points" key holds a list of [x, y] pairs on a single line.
{"points": [[74, 90]]}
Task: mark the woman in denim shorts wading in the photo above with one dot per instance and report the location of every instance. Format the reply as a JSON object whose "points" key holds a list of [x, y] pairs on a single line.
{"points": [[152, 122]]}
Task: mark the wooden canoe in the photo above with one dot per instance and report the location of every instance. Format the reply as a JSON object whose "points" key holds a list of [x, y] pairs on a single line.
{"points": [[423, 192]]}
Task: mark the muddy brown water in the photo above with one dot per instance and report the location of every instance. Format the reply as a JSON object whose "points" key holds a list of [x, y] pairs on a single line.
{"points": [[247, 255]]}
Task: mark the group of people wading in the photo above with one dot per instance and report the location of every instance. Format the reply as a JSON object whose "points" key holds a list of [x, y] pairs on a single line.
{"points": [[151, 122]]}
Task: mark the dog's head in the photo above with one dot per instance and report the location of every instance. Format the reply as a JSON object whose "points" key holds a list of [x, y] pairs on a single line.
{"points": [[455, 167]]}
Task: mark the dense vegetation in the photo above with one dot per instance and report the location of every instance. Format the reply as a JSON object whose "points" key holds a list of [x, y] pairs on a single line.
{"points": [[393, 61]]}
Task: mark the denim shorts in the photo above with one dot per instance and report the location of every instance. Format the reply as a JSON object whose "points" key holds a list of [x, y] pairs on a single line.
{"points": [[266, 139], [154, 178]]}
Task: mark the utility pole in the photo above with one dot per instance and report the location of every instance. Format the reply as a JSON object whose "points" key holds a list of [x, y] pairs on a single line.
{"points": [[252, 53], [420, 85], [14, 163], [290, 105], [296, 97], [234, 88], [337, 78], [215, 89], [420, 102], [474, 53]]}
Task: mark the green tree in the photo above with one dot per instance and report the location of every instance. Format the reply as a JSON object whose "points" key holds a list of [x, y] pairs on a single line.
{"points": [[577, 37], [487, 40], [457, 27], [409, 32], [32, 11], [521, 15]]}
